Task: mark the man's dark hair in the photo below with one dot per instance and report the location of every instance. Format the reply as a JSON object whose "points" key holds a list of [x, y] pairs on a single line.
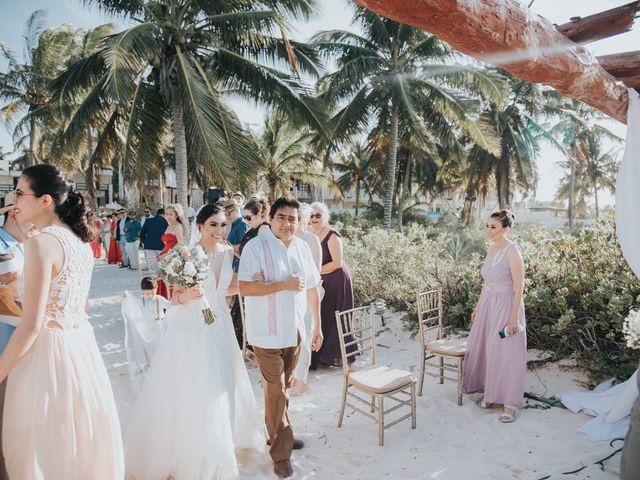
{"points": [[148, 283], [283, 202], [160, 211]]}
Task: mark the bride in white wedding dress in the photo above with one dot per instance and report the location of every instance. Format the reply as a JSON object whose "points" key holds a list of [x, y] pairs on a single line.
{"points": [[196, 405]]}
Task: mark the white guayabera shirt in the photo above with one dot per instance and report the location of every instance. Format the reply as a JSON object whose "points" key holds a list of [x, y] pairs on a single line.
{"points": [[274, 321]]}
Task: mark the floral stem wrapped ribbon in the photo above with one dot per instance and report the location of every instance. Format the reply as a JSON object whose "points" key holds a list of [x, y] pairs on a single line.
{"points": [[187, 266]]}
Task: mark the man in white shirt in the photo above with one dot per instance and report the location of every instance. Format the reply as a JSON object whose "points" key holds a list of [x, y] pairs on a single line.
{"points": [[275, 309]]}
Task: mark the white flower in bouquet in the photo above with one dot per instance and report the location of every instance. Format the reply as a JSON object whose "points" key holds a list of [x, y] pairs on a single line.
{"points": [[189, 269], [186, 266], [631, 329]]}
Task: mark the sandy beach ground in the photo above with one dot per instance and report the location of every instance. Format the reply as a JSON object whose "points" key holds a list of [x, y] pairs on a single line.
{"points": [[450, 441]]}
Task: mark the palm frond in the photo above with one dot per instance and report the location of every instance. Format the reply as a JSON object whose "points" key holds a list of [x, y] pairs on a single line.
{"points": [[269, 87], [145, 134], [127, 54], [33, 28], [205, 136]]}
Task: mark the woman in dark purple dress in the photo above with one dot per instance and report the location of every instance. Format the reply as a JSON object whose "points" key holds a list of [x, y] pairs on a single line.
{"points": [[338, 289]]}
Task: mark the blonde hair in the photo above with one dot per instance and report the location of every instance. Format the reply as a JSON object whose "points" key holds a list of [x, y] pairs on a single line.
{"points": [[323, 208], [177, 209]]}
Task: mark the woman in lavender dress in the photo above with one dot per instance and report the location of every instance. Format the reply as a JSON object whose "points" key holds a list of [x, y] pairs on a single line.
{"points": [[495, 365]]}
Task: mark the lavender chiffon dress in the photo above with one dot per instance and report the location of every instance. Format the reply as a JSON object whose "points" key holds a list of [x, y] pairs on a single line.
{"points": [[494, 365]]}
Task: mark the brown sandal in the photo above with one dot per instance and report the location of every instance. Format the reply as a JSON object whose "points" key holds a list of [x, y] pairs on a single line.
{"points": [[487, 406]]}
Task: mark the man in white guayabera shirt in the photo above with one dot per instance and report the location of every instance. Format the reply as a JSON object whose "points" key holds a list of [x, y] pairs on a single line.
{"points": [[275, 309], [12, 237]]}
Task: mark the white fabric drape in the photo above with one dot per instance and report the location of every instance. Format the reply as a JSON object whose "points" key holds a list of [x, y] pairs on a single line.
{"points": [[609, 403], [627, 191]]}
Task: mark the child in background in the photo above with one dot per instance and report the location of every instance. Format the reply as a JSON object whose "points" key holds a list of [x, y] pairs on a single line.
{"points": [[144, 325]]}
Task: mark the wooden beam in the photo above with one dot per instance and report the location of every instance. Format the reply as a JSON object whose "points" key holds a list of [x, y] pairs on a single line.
{"points": [[601, 25], [631, 82], [625, 64], [508, 34]]}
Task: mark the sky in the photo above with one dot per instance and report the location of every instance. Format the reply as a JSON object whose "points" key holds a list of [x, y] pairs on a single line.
{"points": [[333, 14]]}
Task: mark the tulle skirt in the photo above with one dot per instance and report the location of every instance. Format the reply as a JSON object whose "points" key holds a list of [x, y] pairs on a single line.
{"points": [[196, 405], [60, 417]]}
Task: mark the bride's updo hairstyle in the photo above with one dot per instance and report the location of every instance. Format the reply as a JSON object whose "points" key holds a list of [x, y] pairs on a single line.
{"points": [[505, 216], [70, 204], [208, 211]]}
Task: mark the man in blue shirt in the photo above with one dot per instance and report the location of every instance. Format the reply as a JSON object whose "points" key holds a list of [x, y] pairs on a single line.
{"points": [[238, 229], [132, 235], [12, 236], [151, 238]]}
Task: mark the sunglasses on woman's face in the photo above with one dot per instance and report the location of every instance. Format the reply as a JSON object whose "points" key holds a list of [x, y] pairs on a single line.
{"points": [[316, 215], [248, 218]]}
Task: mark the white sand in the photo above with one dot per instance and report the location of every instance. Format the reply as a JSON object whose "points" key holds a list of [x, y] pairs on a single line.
{"points": [[450, 441]]}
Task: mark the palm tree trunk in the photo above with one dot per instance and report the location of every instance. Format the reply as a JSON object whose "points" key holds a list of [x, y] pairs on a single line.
{"points": [[404, 192], [503, 176], [357, 197], [572, 182], [33, 142], [595, 195], [272, 192], [466, 215], [161, 184], [90, 173], [180, 147], [391, 170]]}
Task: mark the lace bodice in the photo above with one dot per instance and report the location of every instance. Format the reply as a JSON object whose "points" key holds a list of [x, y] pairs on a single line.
{"points": [[70, 288]]}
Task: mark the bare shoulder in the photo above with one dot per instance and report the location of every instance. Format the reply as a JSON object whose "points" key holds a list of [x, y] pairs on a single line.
{"points": [[41, 247], [514, 253], [334, 238]]}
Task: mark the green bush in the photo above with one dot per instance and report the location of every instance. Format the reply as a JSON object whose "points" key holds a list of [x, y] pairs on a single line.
{"points": [[578, 287]]}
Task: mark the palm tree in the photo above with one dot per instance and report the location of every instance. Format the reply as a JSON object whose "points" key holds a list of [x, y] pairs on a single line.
{"points": [[170, 71], [577, 136], [90, 131], [358, 172], [590, 170], [392, 76], [515, 163], [285, 156], [25, 85]]}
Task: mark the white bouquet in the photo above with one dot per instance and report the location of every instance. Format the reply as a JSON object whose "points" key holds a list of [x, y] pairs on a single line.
{"points": [[631, 329], [186, 266]]}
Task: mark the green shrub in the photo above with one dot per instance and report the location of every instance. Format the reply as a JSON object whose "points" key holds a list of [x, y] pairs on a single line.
{"points": [[578, 287]]}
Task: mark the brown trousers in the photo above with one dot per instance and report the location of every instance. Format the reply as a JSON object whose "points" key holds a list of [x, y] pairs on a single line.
{"points": [[3, 469], [277, 366]]}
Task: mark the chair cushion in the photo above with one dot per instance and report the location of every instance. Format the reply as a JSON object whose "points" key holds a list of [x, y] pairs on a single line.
{"points": [[455, 347], [379, 379]]}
